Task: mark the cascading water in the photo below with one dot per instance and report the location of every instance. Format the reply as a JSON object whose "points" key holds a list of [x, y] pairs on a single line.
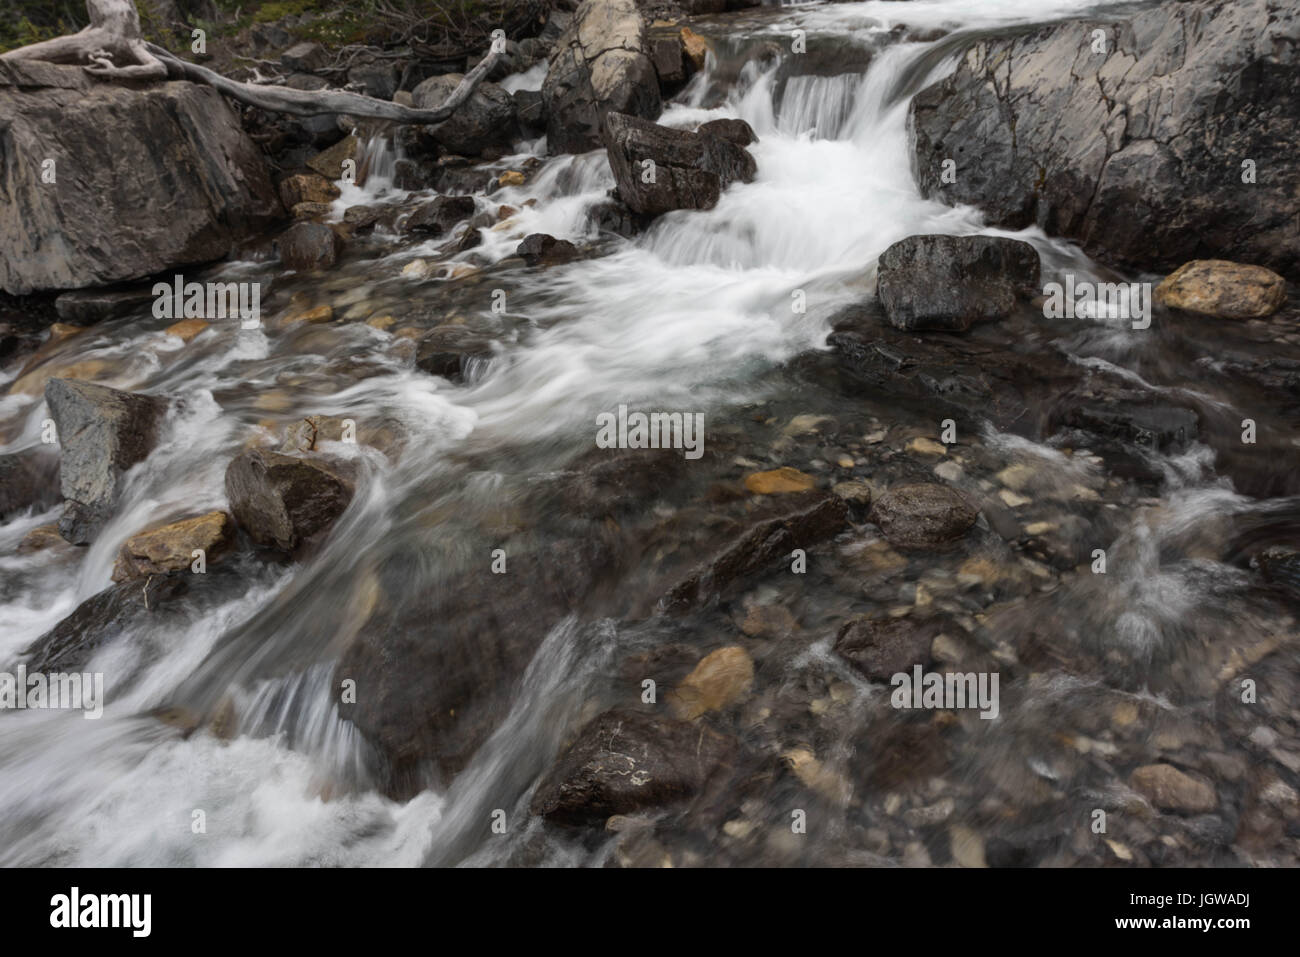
{"points": [[695, 314]]}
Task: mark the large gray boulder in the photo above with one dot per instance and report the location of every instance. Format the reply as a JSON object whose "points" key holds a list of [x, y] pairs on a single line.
{"points": [[286, 502], [690, 169], [103, 432], [1137, 152], [487, 119], [948, 282], [145, 178], [600, 66]]}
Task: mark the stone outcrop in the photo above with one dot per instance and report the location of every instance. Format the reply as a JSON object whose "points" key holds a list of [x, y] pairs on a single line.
{"points": [[102, 432], [600, 66], [690, 169], [189, 202], [1175, 143]]}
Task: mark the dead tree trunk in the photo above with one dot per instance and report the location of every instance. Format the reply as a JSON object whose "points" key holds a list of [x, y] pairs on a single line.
{"points": [[113, 47]]}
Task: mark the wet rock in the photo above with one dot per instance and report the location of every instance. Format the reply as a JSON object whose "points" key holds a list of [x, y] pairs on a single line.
{"points": [[613, 216], [439, 215], [736, 132], [695, 47], [329, 163], [924, 515], [665, 48], [283, 501], [883, 647], [308, 247], [437, 670], [113, 227], [530, 112], [948, 282], [1128, 416], [790, 522], [990, 373], [1214, 287], [88, 306], [187, 330], [600, 66], [41, 538], [720, 680], [691, 169], [779, 481], [103, 432], [1096, 148], [1280, 566], [307, 188], [624, 762], [539, 249], [1171, 790], [310, 212], [27, 480], [446, 349], [163, 602], [171, 547], [487, 119]]}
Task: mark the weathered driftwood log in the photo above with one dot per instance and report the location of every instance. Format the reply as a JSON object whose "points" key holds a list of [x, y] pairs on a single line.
{"points": [[113, 47]]}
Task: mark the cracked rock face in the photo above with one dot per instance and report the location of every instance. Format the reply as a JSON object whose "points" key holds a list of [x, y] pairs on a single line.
{"points": [[103, 432], [600, 65], [120, 207], [1138, 152]]}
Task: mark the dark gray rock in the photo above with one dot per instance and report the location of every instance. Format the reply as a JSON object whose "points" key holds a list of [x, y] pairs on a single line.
{"points": [[304, 57], [799, 520], [737, 132], [102, 432], [923, 515], [438, 215], [378, 78], [486, 120], [445, 349], [539, 249], [600, 66], [627, 761], [95, 226], [948, 282], [690, 169], [436, 671], [530, 110], [308, 247], [1137, 153], [286, 501], [883, 647]]}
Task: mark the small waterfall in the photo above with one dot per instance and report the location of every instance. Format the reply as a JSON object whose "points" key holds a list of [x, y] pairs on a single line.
{"points": [[819, 105]]}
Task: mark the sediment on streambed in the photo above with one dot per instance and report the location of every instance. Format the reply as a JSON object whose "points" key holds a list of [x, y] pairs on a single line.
{"points": [[343, 448]]}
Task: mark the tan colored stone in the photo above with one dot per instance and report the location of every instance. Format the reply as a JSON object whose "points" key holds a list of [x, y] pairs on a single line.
{"points": [[307, 188], [41, 538], [720, 680], [923, 446], [186, 329], [511, 177], [33, 383], [171, 547], [312, 316], [695, 47], [1171, 790], [779, 481], [1228, 290]]}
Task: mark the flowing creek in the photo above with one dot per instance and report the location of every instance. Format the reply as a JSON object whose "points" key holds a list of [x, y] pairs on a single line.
{"points": [[1099, 673]]}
